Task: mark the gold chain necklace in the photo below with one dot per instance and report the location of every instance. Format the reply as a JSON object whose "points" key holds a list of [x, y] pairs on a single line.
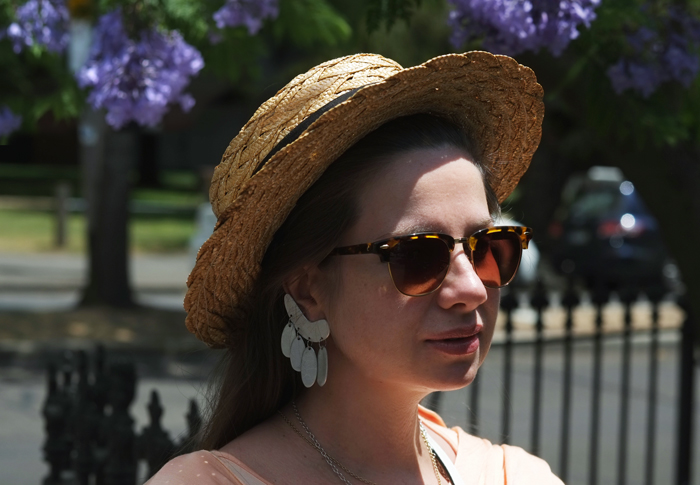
{"points": [[432, 453], [334, 464]]}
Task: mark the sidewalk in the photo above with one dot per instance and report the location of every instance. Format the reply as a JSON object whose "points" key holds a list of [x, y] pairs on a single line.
{"points": [[62, 275], [39, 294]]}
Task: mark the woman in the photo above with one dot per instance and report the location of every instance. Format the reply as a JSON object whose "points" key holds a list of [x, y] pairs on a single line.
{"points": [[356, 242]]}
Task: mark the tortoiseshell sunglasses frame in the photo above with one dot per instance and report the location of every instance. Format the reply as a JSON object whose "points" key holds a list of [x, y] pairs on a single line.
{"points": [[383, 247]]}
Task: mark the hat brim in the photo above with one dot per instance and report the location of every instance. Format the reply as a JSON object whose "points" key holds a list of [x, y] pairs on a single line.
{"points": [[496, 100]]}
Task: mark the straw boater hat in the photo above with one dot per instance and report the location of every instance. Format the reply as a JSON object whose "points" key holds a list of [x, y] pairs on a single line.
{"points": [[294, 136]]}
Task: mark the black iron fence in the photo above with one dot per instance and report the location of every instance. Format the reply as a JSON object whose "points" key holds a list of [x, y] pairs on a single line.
{"points": [[91, 438], [594, 349], [600, 384]]}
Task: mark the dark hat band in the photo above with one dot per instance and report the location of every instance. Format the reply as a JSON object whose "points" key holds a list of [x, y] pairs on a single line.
{"points": [[301, 127]]}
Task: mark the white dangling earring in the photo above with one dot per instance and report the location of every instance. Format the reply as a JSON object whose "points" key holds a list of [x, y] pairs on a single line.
{"points": [[297, 337], [322, 372]]}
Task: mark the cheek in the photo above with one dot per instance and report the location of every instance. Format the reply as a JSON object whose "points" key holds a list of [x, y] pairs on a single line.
{"points": [[363, 310], [489, 314], [359, 288]]}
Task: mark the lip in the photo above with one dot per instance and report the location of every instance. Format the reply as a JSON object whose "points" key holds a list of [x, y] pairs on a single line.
{"points": [[457, 333], [460, 341]]}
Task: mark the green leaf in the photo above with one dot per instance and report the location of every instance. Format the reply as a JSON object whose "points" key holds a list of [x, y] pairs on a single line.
{"points": [[236, 55], [307, 23], [192, 19], [388, 12]]}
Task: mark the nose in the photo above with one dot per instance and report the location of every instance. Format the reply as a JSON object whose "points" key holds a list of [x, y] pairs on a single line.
{"points": [[462, 286]]}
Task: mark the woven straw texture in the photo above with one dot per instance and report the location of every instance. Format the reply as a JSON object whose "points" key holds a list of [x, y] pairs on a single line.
{"points": [[498, 101]]}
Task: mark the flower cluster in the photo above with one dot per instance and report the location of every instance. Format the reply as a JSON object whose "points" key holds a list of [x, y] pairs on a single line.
{"points": [[135, 80], [248, 13], [9, 121], [43, 22], [657, 58], [514, 26]]}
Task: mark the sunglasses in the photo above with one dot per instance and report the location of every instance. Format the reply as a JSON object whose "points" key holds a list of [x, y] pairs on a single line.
{"points": [[418, 263]]}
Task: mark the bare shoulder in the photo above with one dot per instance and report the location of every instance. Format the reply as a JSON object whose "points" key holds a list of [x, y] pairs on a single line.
{"points": [[259, 443], [273, 451]]}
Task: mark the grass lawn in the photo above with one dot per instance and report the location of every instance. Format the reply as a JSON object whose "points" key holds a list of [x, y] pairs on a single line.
{"points": [[34, 231], [31, 227]]}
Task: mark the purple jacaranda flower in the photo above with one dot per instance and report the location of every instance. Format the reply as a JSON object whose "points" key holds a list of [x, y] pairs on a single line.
{"points": [[43, 22], [247, 13], [682, 64], [514, 26], [215, 37], [9, 121], [656, 58], [136, 80], [640, 77]]}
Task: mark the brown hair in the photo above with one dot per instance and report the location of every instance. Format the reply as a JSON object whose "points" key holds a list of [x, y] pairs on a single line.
{"points": [[254, 378]]}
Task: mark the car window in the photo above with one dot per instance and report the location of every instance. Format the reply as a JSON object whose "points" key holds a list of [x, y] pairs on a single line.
{"points": [[634, 204], [594, 203]]}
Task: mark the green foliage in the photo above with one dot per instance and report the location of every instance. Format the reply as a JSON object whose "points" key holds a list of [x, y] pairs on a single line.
{"points": [[388, 12], [7, 12], [138, 14], [192, 19], [410, 43], [236, 55], [35, 82], [307, 23], [577, 84]]}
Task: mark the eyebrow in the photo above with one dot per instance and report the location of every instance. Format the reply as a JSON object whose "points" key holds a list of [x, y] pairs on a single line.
{"points": [[422, 227]]}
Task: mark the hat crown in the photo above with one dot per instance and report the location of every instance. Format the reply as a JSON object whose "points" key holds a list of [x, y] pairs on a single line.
{"points": [[275, 118]]}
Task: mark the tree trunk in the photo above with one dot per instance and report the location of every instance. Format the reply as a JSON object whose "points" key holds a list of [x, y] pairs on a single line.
{"points": [[148, 160], [107, 161]]}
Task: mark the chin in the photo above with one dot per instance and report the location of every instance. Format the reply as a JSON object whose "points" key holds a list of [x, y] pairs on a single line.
{"points": [[456, 376]]}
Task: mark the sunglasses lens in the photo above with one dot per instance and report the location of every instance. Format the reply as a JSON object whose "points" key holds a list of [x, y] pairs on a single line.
{"points": [[419, 265], [497, 257]]}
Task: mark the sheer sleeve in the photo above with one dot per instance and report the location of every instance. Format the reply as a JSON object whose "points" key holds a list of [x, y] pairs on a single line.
{"points": [[200, 467], [484, 463], [522, 468]]}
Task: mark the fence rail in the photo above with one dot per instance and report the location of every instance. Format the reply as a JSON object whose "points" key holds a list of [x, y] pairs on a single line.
{"points": [[90, 435]]}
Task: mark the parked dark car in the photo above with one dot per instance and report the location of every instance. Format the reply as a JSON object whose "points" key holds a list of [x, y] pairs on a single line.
{"points": [[604, 234]]}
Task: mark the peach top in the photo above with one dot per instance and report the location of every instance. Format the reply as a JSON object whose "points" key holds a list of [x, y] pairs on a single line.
{"points": [[478, 461]]}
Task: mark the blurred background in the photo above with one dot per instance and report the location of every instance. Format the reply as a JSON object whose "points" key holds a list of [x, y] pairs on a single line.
{"points": [[113, 115]]}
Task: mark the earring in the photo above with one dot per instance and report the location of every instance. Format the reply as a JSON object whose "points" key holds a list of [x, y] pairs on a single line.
{"points": [[297, 337]]}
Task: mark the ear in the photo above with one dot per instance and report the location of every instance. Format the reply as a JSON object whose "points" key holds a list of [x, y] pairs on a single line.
{"points": [[306, 289]]}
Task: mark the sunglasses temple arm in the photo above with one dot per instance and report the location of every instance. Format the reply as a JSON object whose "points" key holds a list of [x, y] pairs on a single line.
{"points": [[357, 249]]}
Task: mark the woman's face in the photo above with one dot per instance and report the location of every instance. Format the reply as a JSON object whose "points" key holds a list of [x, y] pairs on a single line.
{"points": [[390, 337]]}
